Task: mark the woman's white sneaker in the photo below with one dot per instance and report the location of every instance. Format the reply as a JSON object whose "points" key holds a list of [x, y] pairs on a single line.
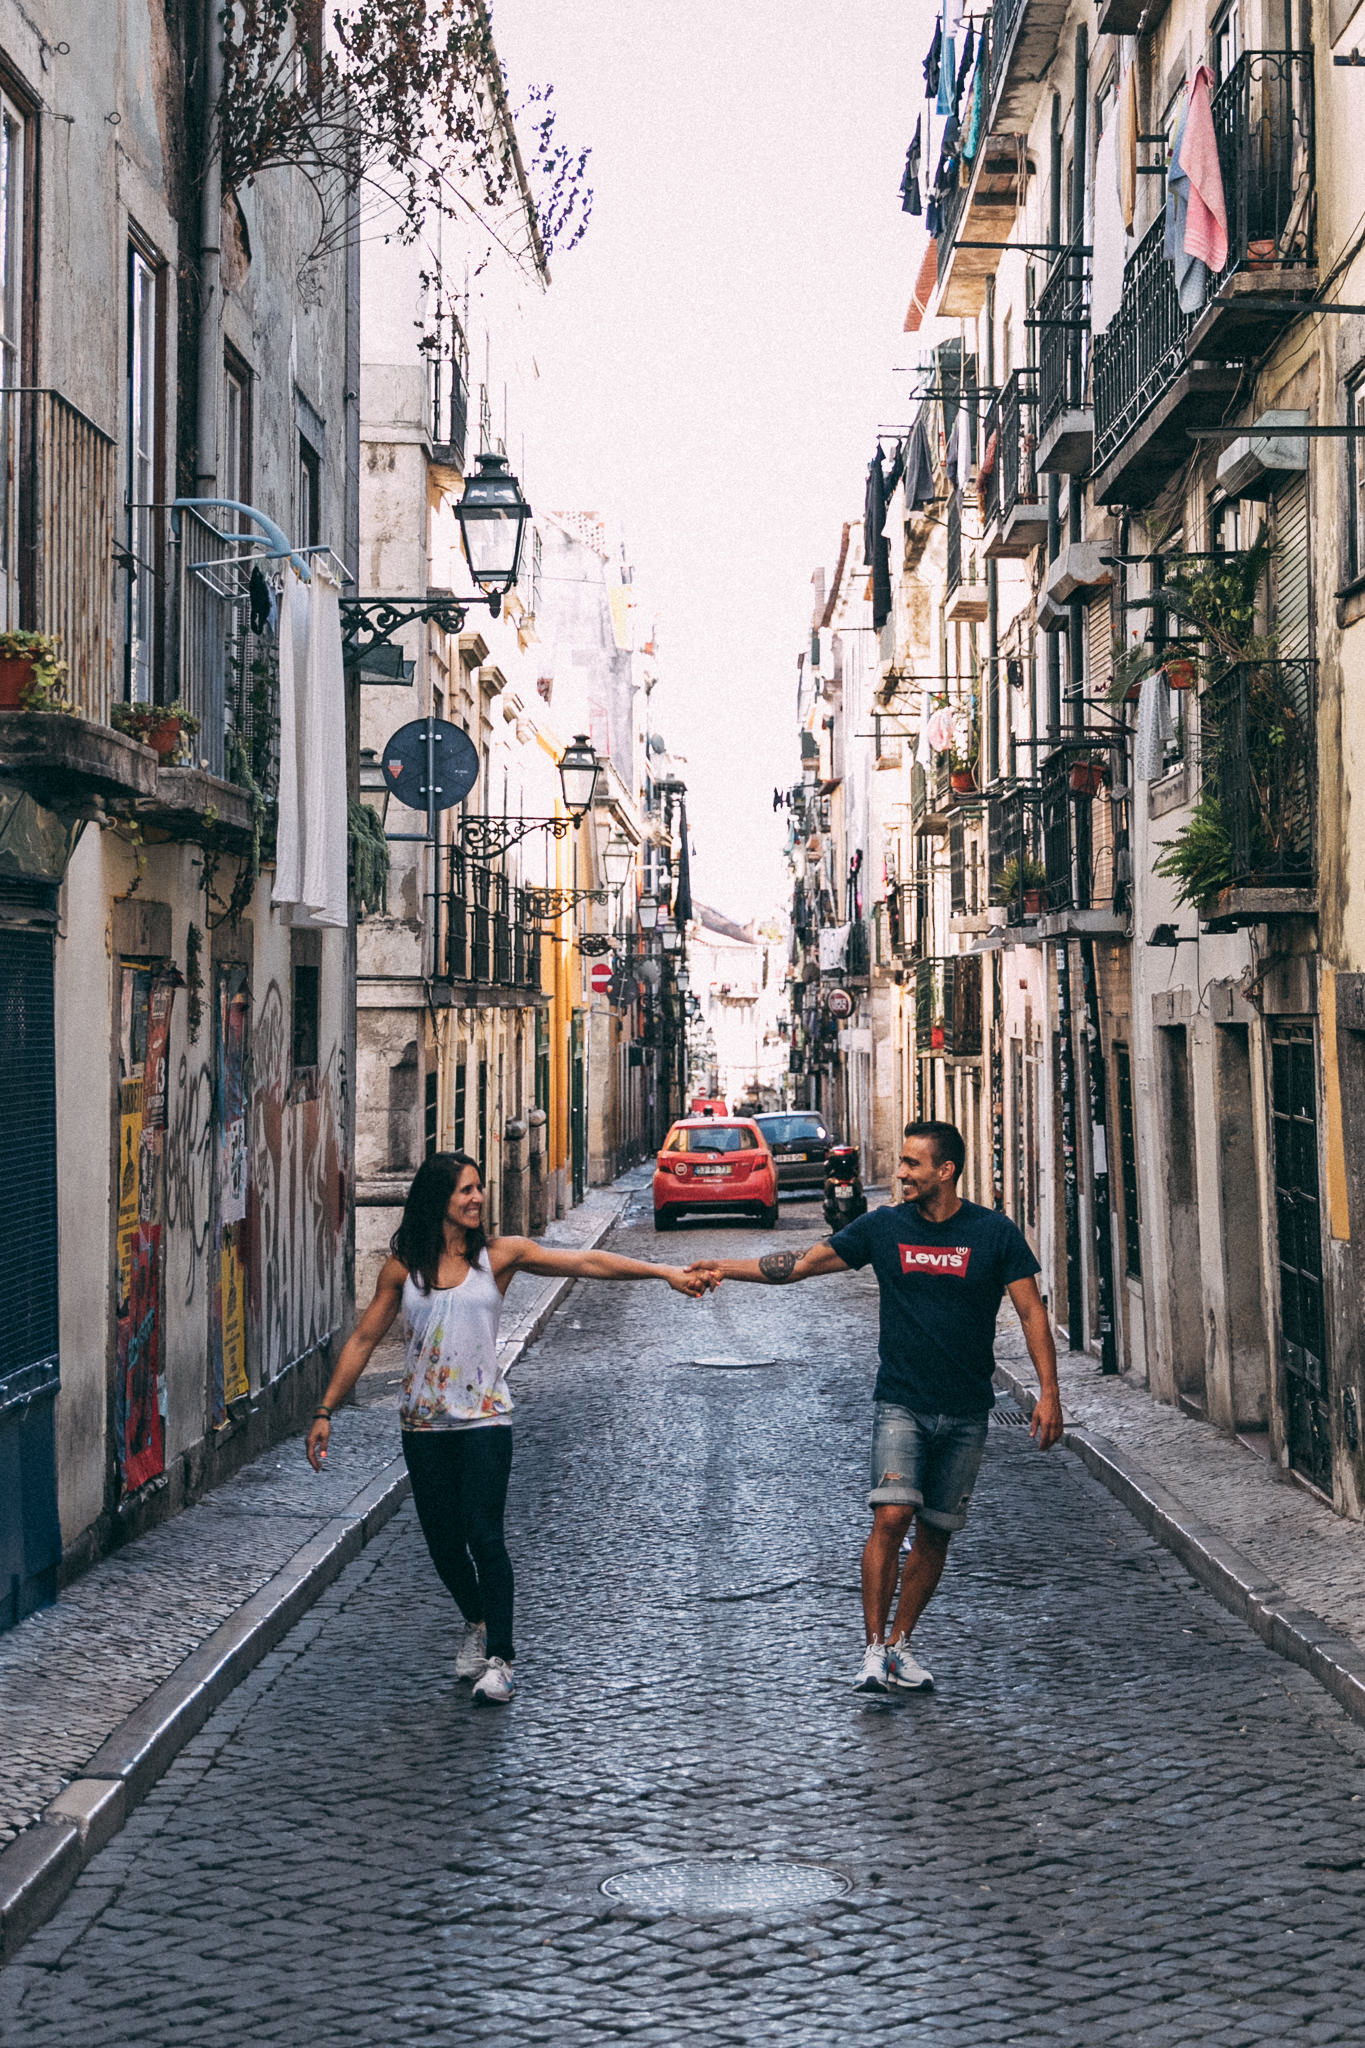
{"points": [[495, 1687], [472, 1661], [903, 1672], [872, 1671]]}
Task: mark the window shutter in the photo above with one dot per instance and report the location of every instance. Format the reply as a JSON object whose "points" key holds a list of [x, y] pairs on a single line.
{"points": [[1291, 620]]}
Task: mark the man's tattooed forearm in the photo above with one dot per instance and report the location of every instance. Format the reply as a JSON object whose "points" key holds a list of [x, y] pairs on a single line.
{"points": [[778, 1266]]}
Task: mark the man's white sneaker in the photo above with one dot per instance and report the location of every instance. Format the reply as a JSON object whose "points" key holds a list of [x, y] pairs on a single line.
{"points": [[472, 1661], [872, 1671], [903, 1672], [495, 1687]]}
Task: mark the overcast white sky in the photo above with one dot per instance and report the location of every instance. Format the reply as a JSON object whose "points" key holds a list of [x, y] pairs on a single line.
{"points": [[717, 353]]}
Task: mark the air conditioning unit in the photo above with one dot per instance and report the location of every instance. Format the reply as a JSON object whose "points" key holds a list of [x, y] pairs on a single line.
{"points": [[1252, 465]]}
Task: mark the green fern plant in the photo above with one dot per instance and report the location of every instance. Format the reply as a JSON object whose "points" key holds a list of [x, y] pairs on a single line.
{"points": [[1199, 859]]}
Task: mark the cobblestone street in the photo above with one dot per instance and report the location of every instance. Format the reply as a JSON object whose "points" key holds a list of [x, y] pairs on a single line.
{"points": [[1119, 1819]]}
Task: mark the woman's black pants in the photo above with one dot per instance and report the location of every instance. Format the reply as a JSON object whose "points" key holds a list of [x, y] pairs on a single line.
{"points": [[459, 1488]]}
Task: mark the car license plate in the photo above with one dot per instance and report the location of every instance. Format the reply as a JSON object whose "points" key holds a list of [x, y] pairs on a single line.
{"points": [[713, 1169], [796, 1155]]}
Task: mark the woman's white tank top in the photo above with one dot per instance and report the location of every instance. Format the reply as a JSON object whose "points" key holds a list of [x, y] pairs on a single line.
{"points": [[452, 1377]]}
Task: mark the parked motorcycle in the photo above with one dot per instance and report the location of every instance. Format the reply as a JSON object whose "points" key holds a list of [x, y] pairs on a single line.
{"points": [[844, 1197]]}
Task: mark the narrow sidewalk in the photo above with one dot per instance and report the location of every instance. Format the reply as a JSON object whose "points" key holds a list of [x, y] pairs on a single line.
{"points": [[73, 1674], [1271, 1551]]}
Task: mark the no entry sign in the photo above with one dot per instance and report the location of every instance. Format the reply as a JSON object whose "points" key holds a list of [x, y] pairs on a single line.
{"points": [[599, 976]]}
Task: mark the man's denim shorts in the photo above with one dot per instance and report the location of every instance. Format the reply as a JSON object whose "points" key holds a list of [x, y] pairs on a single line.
{"points": [[927, 1462]]}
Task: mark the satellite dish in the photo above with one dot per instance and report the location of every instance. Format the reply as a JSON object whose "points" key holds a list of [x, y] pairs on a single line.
{"points": [[430, 765]]}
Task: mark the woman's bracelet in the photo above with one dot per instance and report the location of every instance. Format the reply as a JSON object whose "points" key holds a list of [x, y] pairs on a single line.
{"points": [[322, 1413]]}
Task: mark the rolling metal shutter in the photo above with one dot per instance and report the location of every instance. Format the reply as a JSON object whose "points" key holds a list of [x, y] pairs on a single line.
{"points": [[1291, 620], [28, 1127]]}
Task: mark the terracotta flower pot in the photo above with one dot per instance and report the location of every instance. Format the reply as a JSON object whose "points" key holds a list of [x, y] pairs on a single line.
{"points": [[936, 1038], [963, 781], [1132, 693], [163, 739], [1180, 675], [1260, 255], [16, 675], [1087, 778], [1033, 902]]}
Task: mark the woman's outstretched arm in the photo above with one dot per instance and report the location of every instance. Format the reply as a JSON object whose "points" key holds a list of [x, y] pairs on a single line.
{"points": [[523, 1255]]}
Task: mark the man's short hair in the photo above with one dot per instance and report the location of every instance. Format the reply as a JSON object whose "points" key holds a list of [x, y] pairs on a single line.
{"points": [[946, 1140]]}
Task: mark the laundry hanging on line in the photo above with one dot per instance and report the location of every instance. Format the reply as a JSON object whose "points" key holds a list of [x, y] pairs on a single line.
{"points": [[932, 62], [1196, 210], [910, 195]]}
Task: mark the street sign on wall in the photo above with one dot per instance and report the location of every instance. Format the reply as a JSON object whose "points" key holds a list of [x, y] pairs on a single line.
{"points": [[599, 977]]}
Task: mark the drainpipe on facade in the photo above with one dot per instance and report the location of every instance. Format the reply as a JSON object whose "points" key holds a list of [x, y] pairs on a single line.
{"points": [[1054, 482], [1099, 1175], [992, 691], [1079, 154], [210, 259]]}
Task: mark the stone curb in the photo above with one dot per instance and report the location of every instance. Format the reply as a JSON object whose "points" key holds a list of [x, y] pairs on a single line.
{"points": [[39, 1867], [1294, 1633]]}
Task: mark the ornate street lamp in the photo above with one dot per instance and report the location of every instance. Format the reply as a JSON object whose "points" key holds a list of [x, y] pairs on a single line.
{"points": [[578, 772], [619, 861], [493, 516], [671, 936], [648, 913], [683, 981]]}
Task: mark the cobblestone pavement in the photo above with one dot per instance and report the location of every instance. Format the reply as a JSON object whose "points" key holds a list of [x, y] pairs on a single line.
{"points": [[1316, 1557], [1118, 1820], [70, 1673]]}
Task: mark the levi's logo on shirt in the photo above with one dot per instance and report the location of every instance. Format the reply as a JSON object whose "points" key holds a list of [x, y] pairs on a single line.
{"points": [[952, 1260]]}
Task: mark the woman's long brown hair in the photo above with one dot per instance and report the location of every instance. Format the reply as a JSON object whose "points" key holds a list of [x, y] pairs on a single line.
{"points": [[420, 1238]]}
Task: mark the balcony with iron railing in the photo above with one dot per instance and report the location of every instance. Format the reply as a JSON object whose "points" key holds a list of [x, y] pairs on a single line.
{"points": [[448, 421], [1014, 511], [58, 506], [975, 217], [1066, 425], [948, 1006], [483, 934], [1014, 849], [964, 597], [1084, 842], [1025, 37], [1159, 370], [1258, 746]]}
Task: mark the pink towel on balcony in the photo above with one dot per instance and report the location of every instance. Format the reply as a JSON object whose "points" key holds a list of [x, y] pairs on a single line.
{"points": [[1206, 219]]}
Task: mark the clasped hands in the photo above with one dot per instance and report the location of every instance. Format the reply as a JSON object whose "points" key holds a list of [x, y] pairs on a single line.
{"points": [[702, 1277]]}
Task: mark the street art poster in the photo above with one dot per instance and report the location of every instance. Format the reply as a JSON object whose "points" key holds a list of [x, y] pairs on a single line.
{"points": [[146, 1001], [228, 1380]]}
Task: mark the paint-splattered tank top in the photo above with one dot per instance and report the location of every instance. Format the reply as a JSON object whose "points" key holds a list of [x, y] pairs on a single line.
{"points": [[452, 1377]]}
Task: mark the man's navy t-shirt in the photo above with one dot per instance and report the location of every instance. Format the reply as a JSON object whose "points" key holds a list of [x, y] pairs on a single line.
{"points": [[941, 1286]]}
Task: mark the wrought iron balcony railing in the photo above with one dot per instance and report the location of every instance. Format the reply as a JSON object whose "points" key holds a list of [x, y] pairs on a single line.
{"points": [[57, 513], [1259, 750], [1082, 831], [449, 421], [857, 957], [948, 1006], [1063, 315], [1263, 119], [482, 932], [216, 666], [1014, 842], [1011, 423], [954, 568]]}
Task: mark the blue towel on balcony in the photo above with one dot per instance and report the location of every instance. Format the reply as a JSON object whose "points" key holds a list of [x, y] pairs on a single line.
{"points": [[1191, 276]]}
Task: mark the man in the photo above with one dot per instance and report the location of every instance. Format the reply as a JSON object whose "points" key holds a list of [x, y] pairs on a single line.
{"points": [[942, 1267]]}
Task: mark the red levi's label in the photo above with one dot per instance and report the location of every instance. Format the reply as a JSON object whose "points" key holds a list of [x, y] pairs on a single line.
{"points": [[951, 1260]]}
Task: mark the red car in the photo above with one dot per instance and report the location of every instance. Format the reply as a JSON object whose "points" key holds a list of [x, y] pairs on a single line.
{"points": [[707, 1105], [719, 1163]]}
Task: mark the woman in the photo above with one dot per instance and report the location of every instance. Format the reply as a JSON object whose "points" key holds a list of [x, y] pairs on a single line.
{"points": [[456, 1407]]}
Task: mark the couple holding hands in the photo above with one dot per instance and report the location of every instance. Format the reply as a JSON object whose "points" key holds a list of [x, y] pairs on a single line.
{"points": [[942, 1266]]}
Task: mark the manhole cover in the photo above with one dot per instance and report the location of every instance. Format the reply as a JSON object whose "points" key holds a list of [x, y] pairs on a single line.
{"points": [[731, 1364], [724, 1884]]}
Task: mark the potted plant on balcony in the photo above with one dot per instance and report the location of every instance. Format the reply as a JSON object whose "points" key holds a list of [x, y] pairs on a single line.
{"points": [[1020, 882], [31, 674], [1199, 859], [1215, 598], [162, 727], [1086, 776], [962, 758]]}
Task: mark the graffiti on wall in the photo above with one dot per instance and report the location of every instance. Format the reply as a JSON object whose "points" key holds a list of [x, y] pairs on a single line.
{"points": [[227, 1332], [297, 1193], [144, 1059], [189, 1175]]}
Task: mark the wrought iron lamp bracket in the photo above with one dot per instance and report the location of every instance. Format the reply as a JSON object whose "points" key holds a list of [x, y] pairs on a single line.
{"points": [[368, 622], [545, 906], [487, 838]]}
